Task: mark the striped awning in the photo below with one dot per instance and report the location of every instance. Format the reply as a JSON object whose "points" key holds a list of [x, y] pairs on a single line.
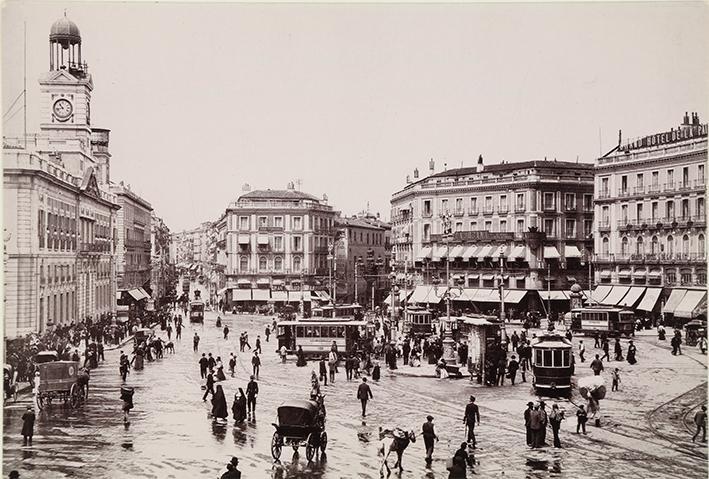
{"points": [[240, 294], [424, 253], [674, 300], [514, 296], [649, 301], [632, 297], [550, 252], [691, 302], [457, 251], [518, 252], [615, 296], [485, 252], [470, 252], [571, 251]]}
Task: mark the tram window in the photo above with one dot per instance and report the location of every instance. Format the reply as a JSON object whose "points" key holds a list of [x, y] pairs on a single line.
{"points": [[341, 331], [333, 332], [566, 358], [557, 359], [309, 332], [299, 332], [547, 358], [538, 358]]}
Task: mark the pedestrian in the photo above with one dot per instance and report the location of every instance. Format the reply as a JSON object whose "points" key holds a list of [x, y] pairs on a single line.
{"points": [[258, 344], [219, 410], [267, 333], [178, 331], [460, 462], [209, 386], [536, 424], [472, 417], [332, 365], [631, 352], [429, 438], [323, 371], [545, 420], [555, 418], [615, 377], [606, 349], [231, 471], [376, 371], [501, 368], [283, 352], [169, 332], [618, 350], [364, 394], [582, 351], [405, 351], [241, 343], [700, 420], [195, 342], [75, 356], [14, 474], [512, 368], [246, 340], [232, 364], [127, 397], [581, 418], [28, 426], [203, 366], [211, 362], [702, 345], [251, 394], [597, 366], [238, 409], [256, 363], [300, 355], [100, 351], [596, 339], [226, 332], [515, 341], [348, 368], [527, 417]]}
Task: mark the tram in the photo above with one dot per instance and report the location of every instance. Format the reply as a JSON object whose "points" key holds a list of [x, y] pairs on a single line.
{"points": [[418, 321], [341, 325], [197, 309], [613, 322], [552, 364]]}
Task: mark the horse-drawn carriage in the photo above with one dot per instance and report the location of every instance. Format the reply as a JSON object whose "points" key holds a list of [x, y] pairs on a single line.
{"points": [[141, 335], [300, 423], [62, 380]]}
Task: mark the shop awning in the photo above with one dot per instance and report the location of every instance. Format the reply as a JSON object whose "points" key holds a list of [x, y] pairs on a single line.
{"points": [[244, 239], [240, 294], [457, 251], [514, 296], [118, 295], [550, 252], [263, 281], [655, 274], [615, 296], [487, 296], [691, 302], [474, 276], [281, 296], [632, 297], [553, 295], [502, 250], [571, 251], [440, 253], [322, 295], [467, 295], [640, 273], [277, 282], [674, 300], [485, 252], [144, 293], [606, 273], [424, 253], [470, 252], [488, 277], [137, 294], [260, 294], [420, 294], [624, 273], [600, 293], [518, 252], [243, 281], [294, 296], [649, 301], [262, 239]]}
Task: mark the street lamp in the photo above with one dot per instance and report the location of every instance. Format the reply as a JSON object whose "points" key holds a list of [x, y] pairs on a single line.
{"points": [[586, 258], [358, 263], [502, 295]]}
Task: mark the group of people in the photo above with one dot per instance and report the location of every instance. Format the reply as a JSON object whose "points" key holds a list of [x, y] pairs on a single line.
{"points": [[536, 421]]}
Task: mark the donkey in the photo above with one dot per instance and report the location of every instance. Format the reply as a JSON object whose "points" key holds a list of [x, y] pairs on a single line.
{"points": [[394, 441]]}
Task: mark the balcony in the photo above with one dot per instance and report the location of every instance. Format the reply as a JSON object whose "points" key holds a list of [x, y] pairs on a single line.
{"points": [[473, 211], [267, 229], [459, 212], [94, 248], [639, 190], [488, 210], [427, 214], [623, 192], [604, 194], [653, 189], [651, 258], [604, 226], [520, 209], [570, 207], [503, 210]]}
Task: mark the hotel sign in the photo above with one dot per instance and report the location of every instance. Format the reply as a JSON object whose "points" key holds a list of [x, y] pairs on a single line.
{"points": [[672, 136]]}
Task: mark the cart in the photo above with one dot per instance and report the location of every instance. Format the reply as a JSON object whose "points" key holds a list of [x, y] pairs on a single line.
{"points": [[299, 424], [59, 380], [141, 335], [694, 330]]}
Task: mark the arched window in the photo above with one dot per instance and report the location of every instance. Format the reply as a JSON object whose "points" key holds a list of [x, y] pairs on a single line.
{"points": [[296, 264], [670, 245], [700, 245], [243, 264], [624, 246], [654, 245], [685, 244], [605, 247], [278, 263], [639, 247], [262, 263]]}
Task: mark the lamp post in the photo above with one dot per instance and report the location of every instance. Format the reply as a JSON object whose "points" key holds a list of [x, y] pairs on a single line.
{"points": [[302, 306], [448, 342], [587, 258], [330, 257], [503, 331]]}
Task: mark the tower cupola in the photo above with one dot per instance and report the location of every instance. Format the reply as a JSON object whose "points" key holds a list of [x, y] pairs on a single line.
{"points": [[65, 48]]}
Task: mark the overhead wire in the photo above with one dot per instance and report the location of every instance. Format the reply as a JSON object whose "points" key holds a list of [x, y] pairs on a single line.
{"points": [[13, 103]]}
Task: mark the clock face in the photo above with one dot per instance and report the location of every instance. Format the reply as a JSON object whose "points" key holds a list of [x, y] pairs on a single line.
{"points": [[63, 109]]}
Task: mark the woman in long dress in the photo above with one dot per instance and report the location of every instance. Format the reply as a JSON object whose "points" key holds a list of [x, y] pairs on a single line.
{"points": [[301, 357], [631, 353], [239, 406], [219, 410]]}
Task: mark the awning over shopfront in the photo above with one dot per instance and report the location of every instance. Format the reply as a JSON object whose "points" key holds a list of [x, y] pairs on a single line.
{"points": [[440, 253], [243, 281], [640, 274], [144, 293], [118, 295], [487, 296], [263, 281], [632, 297], [424, 253], [244, 239], [260, 294], [692, 301], [485, 252], [571, 251], [518, 252], [420, 294], [502, 250], [550, 252], [655, 274], [280, 296], [606, 273], [649, 301], [457, 251], [514, 296], [674, 300], [488, 277], [262, 239], [294, 296], [600, 293], [553, 295], [473, 275], [624, 273], [470, 252], [322, 295], [277, 282], [615, 296], [240, 294], [137, 294]]}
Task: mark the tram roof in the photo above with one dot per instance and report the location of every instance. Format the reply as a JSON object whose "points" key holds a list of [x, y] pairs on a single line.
{"points": [[324, 322], [553, 340]]}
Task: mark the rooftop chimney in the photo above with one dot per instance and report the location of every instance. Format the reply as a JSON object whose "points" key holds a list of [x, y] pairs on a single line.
{"points": [[416, 173], [246, 188], [431, 166], [324, 198], [686, 119], [408, 179], [695, 119], [480, 165], [620, 137]]}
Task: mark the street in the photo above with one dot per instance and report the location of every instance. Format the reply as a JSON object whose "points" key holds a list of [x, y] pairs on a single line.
{"points": [[170, 434]]}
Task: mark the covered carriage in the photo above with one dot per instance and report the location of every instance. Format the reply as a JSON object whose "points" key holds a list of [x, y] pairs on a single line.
{"points": [[61, 381], [300, 423]]}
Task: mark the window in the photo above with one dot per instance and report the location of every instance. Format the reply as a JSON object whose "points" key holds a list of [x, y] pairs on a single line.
{"points": [[604, 187], [548, 201], [549, 227], [519, 204], [503, 226], [459, 226], [459, 205], [700, 209], [520, 226], [685, 176], [624, 247], [624, 214], [624, 184], [444, 206], [654, 211], [278, 263], [605, 247], [488, 203], [296, 264], [297, 243], [278, 221], [41, 228], [700, 246], [570, 228], [685, 244], [243, 223], [488, 226], [297, 223], [473, 205], [639, 246], [588, 202], [700, 174], [639, 212], [473, 225], [654, 245], [427, 232], [640, 181], [670, 178], [670, 277], [685, 209], [686, 276], [670, 245], [503, 204], [278, 243], [670, 210], [587, 227], [655, 178], [262, 221], [570, 201], [427, 207]]}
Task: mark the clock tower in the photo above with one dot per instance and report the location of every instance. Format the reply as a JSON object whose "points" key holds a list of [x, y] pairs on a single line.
{"points": [[66, 91]]}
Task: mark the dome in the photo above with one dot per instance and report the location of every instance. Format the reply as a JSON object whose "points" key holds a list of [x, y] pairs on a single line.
{"points": [[65, 32], [575, 288]]}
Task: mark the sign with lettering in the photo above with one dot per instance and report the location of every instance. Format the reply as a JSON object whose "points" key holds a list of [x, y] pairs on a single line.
{"points": [[672, 136]]}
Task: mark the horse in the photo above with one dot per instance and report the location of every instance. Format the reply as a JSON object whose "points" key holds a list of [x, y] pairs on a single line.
{"points": [[170, 347], [396, 440]]}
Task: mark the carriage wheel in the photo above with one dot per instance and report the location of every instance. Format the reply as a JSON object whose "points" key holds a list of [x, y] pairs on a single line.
{"points": [[74, 396], [276, 446], [309, 451], [323, 441], [40, 401]]}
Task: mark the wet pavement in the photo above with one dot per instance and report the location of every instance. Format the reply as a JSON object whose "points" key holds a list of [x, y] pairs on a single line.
{"points": [[170, 434]]}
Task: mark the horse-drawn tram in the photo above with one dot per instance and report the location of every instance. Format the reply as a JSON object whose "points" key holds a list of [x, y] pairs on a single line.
{"points": [[613, 322], [552, 364]]}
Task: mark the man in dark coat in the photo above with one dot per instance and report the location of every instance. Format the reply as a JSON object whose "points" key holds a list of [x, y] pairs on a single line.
{"points": [[472, 417], [512, 368], [195, 342], [429, 436], [364, 394], [527, 417], [536, 424], [210, 385], [203, 366], [251, 394], [28, 426], [597, 366], [211, 362], [226, 332], [405, 351]]}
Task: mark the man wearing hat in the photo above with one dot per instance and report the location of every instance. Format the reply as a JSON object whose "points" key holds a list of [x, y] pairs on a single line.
{"points": [[231, 471], [472, 415], [527, 416], [28, 419], [251, 393], [429, 436]]}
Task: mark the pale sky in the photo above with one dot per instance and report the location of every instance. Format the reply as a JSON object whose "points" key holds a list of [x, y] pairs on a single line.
{"points": [[201, 99]]}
